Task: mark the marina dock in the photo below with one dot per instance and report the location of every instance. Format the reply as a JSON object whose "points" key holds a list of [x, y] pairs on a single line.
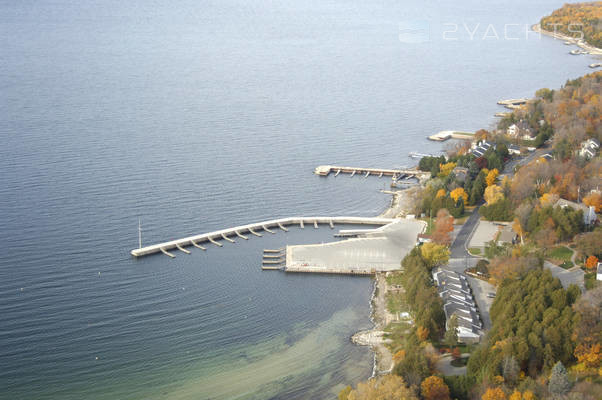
{"points": [[325, 170], [512, 104], [221, 235], [445, 135]]}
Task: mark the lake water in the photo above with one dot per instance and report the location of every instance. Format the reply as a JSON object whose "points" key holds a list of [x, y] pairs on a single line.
{"points": [[201, 115]]}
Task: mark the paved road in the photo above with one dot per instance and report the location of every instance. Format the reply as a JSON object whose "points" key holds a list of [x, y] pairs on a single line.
{"points": [[480, 289], [458, 247]]}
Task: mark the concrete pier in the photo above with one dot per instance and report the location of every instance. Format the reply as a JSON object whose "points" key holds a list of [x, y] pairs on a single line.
{"points": [[227, 238], [325, 170], [183, 250], [196, 240]]}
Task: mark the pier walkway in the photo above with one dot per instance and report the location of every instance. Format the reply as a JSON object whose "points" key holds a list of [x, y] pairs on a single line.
{"points": [[213, 237], [325, 170]]}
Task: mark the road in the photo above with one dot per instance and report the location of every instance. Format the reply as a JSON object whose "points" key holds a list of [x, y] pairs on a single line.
{"points": [[458, 247]]}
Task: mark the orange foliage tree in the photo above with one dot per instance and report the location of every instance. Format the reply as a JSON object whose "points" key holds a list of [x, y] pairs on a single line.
{"points": [[591, 262], [494, 394], [444, 224], [491, 176], [457, 193], [433, 388], [594, 199]]}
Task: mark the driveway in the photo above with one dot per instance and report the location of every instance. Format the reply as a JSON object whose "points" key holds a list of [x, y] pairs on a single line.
{"points": [[567, 277], [480, 289], [444, 366]]}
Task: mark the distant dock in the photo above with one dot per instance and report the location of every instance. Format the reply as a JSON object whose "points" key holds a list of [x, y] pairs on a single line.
{"points": [[512, 104], [445, 135], [325, 170], [214, 238]]}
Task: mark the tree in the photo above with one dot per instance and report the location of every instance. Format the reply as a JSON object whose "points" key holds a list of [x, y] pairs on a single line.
{"points": [[344, 393], [422, 333], [594, 199], [458, 193], [518, 229], [433, 388], [592, 262], [434, 254], [456, 353], [478, 187], [492, 176], [444, 224], [451, 335], [446, 169], [493, 194], [440, 193], [559, 381], [510, 369], [494, 394], [387, 387]]}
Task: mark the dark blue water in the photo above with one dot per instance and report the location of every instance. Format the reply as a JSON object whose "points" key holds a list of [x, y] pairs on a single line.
{"points": [[200, 115]]}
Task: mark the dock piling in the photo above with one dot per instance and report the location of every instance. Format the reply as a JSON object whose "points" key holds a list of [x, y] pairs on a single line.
{"points": [[353, 173], [301, 223], [331, 225], [316, 223], [241, 235], [227, 238], [282, 227]]}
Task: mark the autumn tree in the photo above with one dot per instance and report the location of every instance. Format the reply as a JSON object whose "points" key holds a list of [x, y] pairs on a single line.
{"points": [[491, 177], [444, 224], [592, 262], [451, 334], [594, 199], [458, 193], [433, 388], [387, 387], [440, 193], [493, 194], [434, 254], [446, 169], [588, 331], [494, 394]]}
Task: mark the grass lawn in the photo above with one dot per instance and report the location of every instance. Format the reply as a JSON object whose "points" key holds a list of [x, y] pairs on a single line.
{"points": [[561, 253], [395, 303], [396, 332], [567, 265], [590, 280], [475, 251], [394, 278]]}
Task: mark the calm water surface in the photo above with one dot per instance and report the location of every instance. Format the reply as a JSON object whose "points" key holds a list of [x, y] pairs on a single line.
{"points": [[199, 115]]}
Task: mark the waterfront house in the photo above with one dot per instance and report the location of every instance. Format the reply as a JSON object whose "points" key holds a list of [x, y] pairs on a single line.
{"points": [[480, 148], [458, 300], [589, 148], [589, 213], [599, 272], [520, 130], [460, 173]]}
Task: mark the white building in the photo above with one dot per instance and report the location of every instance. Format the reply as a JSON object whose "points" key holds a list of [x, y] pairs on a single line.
{"points": [[589, 148]]}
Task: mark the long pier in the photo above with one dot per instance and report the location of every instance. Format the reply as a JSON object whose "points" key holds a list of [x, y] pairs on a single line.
{"points": [[325, 170], [213, 237]]}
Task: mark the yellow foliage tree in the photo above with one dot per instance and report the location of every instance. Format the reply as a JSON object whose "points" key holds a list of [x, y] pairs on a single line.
{"points": [[493, 194], [387, 387], [516, 395], [529, 395], [548, 199], [518, 229], [457, 193], [492, 176], [594, 199], [400, 355], [446, 168], [433, 388], [422, 333], [434, 254], [441, 193], [589, 355], [494, 394]]}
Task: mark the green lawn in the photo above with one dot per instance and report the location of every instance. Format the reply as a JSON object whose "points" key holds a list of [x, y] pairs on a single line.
{"points": [[561, 253], [590, 280]]}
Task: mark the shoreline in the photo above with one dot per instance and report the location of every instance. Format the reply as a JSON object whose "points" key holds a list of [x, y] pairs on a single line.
{"points": [[592, 50], [402, 203]]}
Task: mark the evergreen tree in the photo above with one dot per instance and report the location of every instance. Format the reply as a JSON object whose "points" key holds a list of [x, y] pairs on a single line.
{"points": [[451, 335], [559, 381]]}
